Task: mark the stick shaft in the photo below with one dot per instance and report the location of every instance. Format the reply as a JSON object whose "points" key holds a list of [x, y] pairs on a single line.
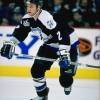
{"points": [[52, 60]]}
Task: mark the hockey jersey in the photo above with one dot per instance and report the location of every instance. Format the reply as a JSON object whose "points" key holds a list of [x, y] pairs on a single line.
{"points": [[47, 29]]}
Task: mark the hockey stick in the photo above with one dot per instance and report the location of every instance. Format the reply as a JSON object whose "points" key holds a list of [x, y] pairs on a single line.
{"points": [[34, 57], [52, 60]]}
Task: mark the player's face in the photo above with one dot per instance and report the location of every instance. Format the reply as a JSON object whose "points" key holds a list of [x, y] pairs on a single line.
{"points": [[32, 9]]}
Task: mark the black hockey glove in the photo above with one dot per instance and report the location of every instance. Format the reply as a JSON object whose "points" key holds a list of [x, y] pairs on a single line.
{"points": [[8, 49]]}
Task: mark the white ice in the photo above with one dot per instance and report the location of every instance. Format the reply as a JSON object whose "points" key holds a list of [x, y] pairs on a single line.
{"points": [[12, 88]]}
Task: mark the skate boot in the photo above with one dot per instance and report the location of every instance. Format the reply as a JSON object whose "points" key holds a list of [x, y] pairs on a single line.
{"points": [[67, 90], [40, 98]]}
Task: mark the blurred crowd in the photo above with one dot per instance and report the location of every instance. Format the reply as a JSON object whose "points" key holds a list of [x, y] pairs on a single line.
{"points": [[76, 13]]}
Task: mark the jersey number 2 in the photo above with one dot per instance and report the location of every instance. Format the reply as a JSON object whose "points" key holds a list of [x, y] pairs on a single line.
{"points": [[59, 35]]}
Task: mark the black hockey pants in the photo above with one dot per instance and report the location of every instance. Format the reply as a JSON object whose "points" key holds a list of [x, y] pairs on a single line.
{"points": [[40, 66]]}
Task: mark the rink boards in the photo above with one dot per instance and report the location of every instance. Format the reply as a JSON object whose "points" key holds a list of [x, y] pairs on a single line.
{"points": [[82, 73], [20, 67]]}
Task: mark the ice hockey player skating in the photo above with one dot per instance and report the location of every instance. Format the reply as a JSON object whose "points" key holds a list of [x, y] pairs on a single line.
{"points": [[60, 41]]}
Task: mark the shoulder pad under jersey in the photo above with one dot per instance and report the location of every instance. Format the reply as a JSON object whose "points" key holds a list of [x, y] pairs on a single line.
{"points": [[47, 20]]}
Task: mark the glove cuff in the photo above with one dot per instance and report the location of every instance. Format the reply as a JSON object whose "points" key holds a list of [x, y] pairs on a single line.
{"points": [[63, 50], [15, 41], [9, 43], [64, 47]]}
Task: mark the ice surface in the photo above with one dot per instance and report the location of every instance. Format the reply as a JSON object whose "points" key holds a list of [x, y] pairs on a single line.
{"points": [[12, 88]]}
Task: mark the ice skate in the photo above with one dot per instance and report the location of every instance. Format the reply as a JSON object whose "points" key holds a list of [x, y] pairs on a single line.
{"points": [[68, 90], [40, 98]]}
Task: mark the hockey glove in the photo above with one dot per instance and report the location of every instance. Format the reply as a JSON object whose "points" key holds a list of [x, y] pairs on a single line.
{"points": [[64, 56], [8, 49], [64, 61]]}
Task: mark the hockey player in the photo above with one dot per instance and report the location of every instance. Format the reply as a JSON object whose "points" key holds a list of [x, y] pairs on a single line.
{"points": [[60, 41]]}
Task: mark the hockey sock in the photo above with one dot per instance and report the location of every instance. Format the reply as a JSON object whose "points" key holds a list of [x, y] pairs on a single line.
{"points": [[40, 86]]}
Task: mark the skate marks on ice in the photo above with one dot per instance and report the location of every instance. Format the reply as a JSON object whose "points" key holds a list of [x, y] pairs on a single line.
{"points": [[12, 88]]}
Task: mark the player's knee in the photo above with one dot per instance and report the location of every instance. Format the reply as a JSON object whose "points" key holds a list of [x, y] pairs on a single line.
{"points": [[65, 81], [39, 68], [37, 73]]}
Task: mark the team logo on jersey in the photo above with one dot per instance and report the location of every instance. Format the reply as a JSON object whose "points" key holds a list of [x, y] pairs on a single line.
{"points": [[50, 23], [26, 23]]}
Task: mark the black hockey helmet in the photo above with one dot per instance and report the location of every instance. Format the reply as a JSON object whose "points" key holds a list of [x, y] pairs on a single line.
{"points": [[37, 2]]}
